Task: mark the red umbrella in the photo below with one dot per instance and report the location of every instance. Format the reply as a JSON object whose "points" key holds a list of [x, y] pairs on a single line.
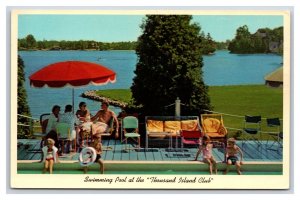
{"points": [[72, 74]]}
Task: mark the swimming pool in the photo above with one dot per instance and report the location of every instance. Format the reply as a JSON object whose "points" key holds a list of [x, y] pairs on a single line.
{"points": [[143, 167]]}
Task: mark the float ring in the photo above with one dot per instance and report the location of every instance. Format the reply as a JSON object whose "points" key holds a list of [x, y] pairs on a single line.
{"points": [[87, 156]]}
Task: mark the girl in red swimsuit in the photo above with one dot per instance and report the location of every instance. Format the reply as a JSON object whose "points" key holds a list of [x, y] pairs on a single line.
{"points": [[50, 155]]}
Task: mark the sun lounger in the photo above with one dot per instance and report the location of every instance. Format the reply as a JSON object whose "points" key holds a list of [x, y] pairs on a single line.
{"points": [[159, 128]]}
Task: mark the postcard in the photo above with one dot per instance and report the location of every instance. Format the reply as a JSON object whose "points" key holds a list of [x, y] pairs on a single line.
{"points": [[150, 99]]}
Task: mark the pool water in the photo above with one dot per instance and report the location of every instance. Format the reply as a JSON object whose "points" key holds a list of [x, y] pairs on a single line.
{"points": [[168, 172]]}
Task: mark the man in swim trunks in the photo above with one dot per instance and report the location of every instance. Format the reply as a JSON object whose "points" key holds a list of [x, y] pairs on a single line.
{"points": [[103, 118], [231, 156]]}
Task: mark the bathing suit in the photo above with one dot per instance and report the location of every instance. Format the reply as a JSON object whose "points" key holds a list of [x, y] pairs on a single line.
{"points": [[233, 159], [97, 157], [49, 154], [207, 153]]}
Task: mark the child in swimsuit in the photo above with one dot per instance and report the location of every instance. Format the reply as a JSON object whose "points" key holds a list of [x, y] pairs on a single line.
{"points": [[231, 156], [98, 148], [208, 158], [97, 145], [50, 155]]}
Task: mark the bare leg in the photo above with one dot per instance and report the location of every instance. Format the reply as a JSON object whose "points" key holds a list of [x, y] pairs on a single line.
{"points": [[101, 166], [214, 163], [46, 166], [238, 168], [210, 166], [197, 154], [50, 166], [81, 139], [227, 167], [85, 169]]}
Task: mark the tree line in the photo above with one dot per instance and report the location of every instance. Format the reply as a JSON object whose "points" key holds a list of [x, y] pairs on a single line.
{"points": [[30, 43], [264, 40]]}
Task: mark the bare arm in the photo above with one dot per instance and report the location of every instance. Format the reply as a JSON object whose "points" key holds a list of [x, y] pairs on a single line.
{"points": [[226, 153], [241, 153], [95, 117], [117, 124], [198, 152], [88, 114], [57, 160]]}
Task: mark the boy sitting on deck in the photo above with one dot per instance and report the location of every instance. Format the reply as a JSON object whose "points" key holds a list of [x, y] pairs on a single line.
{"points": [[231, 156]]}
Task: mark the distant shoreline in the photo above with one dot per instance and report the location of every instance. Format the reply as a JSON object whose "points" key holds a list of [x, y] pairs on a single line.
{"points": [[73, 50]]}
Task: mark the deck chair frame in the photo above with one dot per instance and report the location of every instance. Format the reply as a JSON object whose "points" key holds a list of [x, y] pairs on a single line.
{"points": [[64, 128], [162, 135], [218, 136], [252, 130], [128, 123], [276, 135]]}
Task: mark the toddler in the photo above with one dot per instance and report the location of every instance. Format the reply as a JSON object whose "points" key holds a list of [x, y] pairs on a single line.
{"points": [[208, 158], [231, 156]]}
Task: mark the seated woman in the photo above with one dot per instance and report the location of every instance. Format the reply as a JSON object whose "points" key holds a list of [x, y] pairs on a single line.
{"points": [[83, 113], [84, 116]]}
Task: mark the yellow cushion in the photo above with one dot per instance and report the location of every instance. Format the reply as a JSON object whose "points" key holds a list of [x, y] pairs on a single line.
{"points": [[211, 125], [189, 125], [155, 126], [172, 126], [215, 135]]}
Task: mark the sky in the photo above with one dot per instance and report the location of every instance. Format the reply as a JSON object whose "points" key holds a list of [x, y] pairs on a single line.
{"points": [[115, 28]]}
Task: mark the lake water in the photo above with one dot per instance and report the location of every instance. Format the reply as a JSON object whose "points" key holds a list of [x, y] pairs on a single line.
{"points": [[222, 68]]}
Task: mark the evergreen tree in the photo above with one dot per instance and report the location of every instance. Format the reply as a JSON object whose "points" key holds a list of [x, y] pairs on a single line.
{"points": [[30, 40], [169, 66], [23, 108]]}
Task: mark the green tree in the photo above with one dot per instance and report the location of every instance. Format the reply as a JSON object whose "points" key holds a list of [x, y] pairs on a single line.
{"points": [[242, 41], [23, 108], [259, 42], [31, 42], [208, 45], [169, 66]]}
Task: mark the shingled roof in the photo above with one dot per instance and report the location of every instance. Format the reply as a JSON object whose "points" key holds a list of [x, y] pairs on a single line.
{"points": [[276, 75]]}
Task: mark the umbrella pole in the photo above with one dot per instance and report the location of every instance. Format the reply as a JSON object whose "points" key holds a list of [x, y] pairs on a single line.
{"points": [[73, 99]]}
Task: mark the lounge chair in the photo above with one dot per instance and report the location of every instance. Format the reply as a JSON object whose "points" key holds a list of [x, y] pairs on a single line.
{"points": [[213, 126], [159, 128]]}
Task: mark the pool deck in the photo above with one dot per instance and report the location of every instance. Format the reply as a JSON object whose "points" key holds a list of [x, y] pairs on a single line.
{"points": [[30, 150]]}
